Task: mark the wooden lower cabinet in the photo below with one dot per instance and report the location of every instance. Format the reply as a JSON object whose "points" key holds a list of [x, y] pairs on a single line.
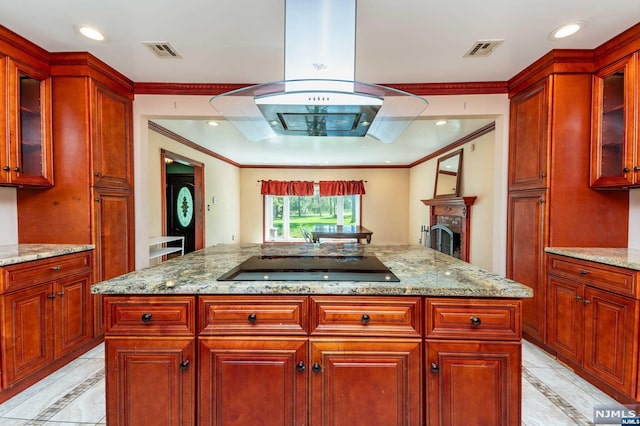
{"points": [[150, 381], [311, 360], [47, 318], [594, 330], [374, 382], [473, 383], [253, 381]]}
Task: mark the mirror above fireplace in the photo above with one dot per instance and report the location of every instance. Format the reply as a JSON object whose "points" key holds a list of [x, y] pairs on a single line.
{"points": [[448, 175]]}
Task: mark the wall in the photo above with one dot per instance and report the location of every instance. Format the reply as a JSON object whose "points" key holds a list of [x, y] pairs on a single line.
{"points": [[8, 216], [220, 180], [383, 206], [477, 180]]}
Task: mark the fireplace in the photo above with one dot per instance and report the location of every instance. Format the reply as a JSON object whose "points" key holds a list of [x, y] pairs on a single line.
{"points": [[450, 225]]}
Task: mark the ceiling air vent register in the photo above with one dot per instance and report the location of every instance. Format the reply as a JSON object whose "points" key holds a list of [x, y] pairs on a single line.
{"points": [[483, 48], [162, 49]]}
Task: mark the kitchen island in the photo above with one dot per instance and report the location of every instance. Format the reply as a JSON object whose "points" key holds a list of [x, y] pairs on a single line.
{"points": [[440, 346]]}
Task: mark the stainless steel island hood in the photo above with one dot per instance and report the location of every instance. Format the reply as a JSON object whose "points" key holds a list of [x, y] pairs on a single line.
{"points": [[319, 95]]}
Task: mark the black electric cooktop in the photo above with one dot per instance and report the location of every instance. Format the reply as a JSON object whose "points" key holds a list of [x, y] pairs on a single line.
{"points": [[310, 268]]}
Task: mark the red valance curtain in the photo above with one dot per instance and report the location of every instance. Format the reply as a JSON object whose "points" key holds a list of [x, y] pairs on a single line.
{"points": [[287, 187], [330, 188]]}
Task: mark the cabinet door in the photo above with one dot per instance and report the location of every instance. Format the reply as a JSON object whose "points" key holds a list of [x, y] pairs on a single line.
{"points": [[30, 159], [112, 148], [526, 239], [473, 383], [27, 328], [151, 382], [529, 137], [612, 156], [5, 169], [565, 317], [113, 228], [253, 382], [72, 313], [611, 334], [369, 382]]}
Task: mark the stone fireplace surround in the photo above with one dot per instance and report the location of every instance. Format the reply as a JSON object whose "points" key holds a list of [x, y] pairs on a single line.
{"points": [[454, 213]]}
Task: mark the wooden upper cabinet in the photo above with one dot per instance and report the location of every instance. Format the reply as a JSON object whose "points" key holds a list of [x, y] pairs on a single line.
{"points": [[112, 147], [615, 161], [27, 159], [529, 138]]}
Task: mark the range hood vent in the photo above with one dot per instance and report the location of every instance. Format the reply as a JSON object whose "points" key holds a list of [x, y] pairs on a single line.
{"points": [[319, 95]]}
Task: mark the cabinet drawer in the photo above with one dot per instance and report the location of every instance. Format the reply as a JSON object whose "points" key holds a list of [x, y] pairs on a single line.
{"points": [[22, 275], [605, 277], [367, 316], [256, 315], [170, 315], [473, 319]]}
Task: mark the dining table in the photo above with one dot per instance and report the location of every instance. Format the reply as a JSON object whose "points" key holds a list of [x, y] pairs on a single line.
{"points": [[341, 232]]}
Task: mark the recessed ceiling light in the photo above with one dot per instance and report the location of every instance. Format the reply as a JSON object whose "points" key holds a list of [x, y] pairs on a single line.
{"points": [[213, 123], [441, 122], [567, 30], [90, 32]]}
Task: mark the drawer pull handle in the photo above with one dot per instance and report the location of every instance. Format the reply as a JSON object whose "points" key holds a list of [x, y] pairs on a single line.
{"points": [[583, 272], [435, 368], [252, 317], [184, 365], [300, 366], [475, 321], [316, 368], [146, 317], [585, 302], [56, 268], [365, 319], [51, 296]]}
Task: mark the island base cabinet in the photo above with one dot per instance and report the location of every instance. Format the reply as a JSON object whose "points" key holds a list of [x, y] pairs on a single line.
{"points": [[369, 382], [253, 381], [473, 383], [151, 381]]}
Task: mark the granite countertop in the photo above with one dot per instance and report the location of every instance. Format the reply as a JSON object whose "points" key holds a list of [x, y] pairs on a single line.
{"points": [[18, 253], [622, 257], [421, 271]]}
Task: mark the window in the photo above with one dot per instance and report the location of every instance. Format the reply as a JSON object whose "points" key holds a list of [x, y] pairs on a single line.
{"points": [[286, 215]]}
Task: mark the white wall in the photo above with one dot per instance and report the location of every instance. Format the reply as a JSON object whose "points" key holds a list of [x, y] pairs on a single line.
{"points": [[8, 216]]}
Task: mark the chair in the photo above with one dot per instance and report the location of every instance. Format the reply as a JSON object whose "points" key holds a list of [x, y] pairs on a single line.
{"points": [[307, 235]]}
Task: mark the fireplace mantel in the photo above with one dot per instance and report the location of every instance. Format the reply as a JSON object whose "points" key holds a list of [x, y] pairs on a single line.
{"points": [[459, 207]]}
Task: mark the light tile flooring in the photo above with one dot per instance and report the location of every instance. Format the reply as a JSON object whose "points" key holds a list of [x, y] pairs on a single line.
{"points": [[552, 395]]}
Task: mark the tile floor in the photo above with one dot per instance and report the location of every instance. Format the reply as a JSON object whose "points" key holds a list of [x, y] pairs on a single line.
{"points": [[552, 395]]}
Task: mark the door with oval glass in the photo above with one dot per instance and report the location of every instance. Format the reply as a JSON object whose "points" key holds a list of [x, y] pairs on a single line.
{"points": [[180, 205]]}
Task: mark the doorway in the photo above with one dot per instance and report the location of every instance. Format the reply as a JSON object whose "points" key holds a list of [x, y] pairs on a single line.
{"points": [[183, 199]]}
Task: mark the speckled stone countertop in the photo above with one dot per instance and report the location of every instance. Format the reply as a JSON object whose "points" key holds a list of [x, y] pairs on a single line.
{"points": [[623, 257], [18, 253], [421, 271]]}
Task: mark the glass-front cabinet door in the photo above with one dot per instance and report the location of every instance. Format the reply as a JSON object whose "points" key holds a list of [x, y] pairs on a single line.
{"points": [[30, 161], [613, 156]]}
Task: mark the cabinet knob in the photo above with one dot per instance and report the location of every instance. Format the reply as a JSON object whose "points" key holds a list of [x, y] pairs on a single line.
{"points": [[300, 366], [365, 319], [577, 297], [51, 296], [97, 174], [60, 293], [541, 200], [543, 175], [636, 169], [6, 168], [98, 199], [585, 302], [252, 317], [16, 169], [146, 317], [583, 272], [316, 368], [56, 268], [435, 368], [475, 321], [184, 365], [626, 170]]}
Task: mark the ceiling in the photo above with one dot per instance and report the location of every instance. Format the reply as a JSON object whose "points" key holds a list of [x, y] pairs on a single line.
{"points": [[242, 41]]}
